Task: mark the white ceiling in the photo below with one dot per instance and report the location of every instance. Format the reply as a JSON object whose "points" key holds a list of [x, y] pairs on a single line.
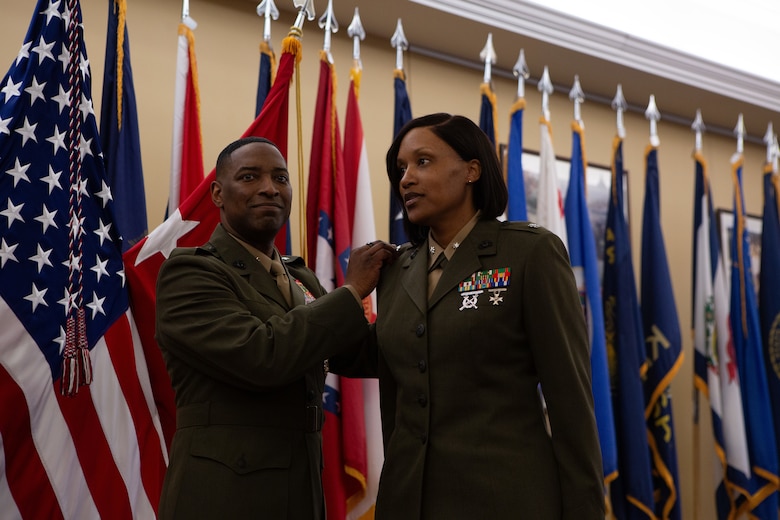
{"points": [[741, 35]]}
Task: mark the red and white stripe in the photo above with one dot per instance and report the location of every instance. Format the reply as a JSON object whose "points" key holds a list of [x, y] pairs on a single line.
{"points": [[99, 454]]}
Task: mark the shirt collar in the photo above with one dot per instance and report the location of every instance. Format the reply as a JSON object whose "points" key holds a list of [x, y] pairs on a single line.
{"points": [[434, 248], [261, 257]]}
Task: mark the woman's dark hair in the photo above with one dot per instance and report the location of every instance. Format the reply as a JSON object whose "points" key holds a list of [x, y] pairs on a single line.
{"points": [[226, 152], [469, 142]]}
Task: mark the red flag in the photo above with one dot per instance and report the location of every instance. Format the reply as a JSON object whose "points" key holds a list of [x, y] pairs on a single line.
{"points": [[191, 225], [360, 409], [328, 241], [327, 221], [187, 152]]}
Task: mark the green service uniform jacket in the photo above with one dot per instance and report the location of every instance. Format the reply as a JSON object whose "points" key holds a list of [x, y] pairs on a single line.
{"points": [[247, 371], [463, 427]]}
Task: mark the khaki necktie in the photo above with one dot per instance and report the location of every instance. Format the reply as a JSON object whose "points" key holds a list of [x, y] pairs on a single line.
{"points": [[434, 272], [278, 272]]}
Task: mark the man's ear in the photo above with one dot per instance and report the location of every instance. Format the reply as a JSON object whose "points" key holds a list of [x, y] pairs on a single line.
{"points": [[216, 193]]}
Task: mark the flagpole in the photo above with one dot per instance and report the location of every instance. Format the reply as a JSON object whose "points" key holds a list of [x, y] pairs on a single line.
{"points": [[305, 11], [329, 24], [698, 127], [739, 131], [268, 11], [770, 146], [521, 72], [488, 55], [619, 105], [577, 97], [400, 44], [653, 115], [357, 33], [545, 86]]}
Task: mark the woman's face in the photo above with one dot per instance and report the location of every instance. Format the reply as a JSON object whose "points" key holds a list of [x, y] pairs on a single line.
{"points": [[435, 182]]}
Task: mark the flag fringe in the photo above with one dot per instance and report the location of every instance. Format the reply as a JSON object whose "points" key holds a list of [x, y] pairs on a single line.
{"points": [[76, 364], [292, 45], [121, 7]]}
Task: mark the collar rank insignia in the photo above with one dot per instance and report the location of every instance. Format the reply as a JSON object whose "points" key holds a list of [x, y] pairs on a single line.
{"points": [[308, 297], [494, 281]]}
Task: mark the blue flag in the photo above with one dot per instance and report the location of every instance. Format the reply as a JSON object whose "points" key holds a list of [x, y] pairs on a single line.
{"points": [[265, 73], [663, 344], [487, 112], [119, 133], [632, 491], [769, 291], [403, 114], [584, 262], [516, 208], [762, 501]]}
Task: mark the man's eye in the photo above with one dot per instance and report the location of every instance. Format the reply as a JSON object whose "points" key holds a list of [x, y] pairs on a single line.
{"points": [[282, 179]]}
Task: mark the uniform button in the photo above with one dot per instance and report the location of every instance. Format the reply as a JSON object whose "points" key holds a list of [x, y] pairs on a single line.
{"points": [[310, 395], [422, 366], [420, 330], [423, 438], [241, 463], [422, 400]]}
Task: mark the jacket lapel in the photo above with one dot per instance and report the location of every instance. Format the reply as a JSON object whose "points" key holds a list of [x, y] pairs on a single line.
{"points": [[416, 267]]}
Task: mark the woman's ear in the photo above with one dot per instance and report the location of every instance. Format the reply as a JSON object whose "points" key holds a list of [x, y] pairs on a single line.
{"points": [[475, 171]]}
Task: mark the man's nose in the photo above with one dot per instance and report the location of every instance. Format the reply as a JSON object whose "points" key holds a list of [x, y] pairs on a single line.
{"points": [[267, 185]]}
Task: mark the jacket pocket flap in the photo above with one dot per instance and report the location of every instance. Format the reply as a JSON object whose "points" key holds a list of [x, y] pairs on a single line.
{"points": [[242, 449]]}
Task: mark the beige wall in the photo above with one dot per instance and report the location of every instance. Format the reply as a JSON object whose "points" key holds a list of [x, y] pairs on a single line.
{"points": [[226, 45]]}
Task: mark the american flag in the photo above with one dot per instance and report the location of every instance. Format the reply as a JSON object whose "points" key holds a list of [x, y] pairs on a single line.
{"points": [[88, 445]]}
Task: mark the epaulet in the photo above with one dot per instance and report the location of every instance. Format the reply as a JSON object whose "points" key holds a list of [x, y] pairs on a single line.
{"points": [[532, 227], [295, 261], [404, 247], [206, 249], [185, 251]]}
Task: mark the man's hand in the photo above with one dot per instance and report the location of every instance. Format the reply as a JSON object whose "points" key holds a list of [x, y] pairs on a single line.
{"points": [[364, 265]]}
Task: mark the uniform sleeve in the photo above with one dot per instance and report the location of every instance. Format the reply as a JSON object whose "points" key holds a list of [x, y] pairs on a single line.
{"points": [[216, 322], [559, 341]]}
